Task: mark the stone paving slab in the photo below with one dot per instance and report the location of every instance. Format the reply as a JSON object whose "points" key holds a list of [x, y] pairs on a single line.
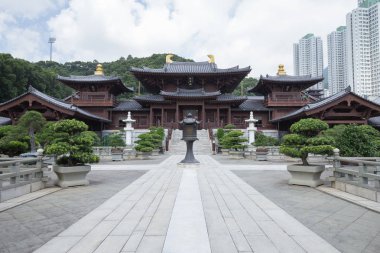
{"points": [[347, 226], [147, 216], [26, 198]]}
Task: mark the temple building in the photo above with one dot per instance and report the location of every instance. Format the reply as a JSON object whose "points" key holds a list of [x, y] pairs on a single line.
{"points": [[199, 88]]}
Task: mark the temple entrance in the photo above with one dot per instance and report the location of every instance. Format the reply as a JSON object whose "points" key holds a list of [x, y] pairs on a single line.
{"points": [[193, 112]]}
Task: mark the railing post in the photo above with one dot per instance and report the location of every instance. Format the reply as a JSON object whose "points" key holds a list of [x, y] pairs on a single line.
{"points": [[39, 162], [363, 181], [336, 163], [15, 168]]}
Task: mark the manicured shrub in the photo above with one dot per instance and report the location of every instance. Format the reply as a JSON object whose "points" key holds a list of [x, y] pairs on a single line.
{"points": [[263, 140], [233, 140], [219, 134], [73, 143], [305, 138], [358, 141]]}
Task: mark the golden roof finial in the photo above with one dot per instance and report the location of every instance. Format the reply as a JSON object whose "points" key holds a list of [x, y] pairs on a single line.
{"points": [[211, 58], [99, 70], [169, 58], [281, 70]]}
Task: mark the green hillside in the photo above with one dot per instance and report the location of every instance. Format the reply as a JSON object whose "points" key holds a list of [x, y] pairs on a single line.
{"points": [[17, 74]]}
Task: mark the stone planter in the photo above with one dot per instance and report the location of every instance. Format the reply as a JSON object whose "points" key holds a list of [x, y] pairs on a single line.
{"points": [[261, 154], [306, 175], [117, 156], [236, 154], [143, 155], [225, 151], [155, 152], [72, 176]]}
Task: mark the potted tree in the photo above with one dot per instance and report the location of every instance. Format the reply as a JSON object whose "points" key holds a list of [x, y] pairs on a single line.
{"points": [[116, 142], [144, 146], [73, 146], [233, 141], [157, 135], [305, 138], [262, 143]]}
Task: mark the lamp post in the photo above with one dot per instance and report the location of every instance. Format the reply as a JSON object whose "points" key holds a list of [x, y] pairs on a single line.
{"points": [[189, 134], [51, 41]]}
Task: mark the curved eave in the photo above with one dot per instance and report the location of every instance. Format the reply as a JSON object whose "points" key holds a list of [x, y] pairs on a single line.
{"points": [[72, 82], [261, 89]]}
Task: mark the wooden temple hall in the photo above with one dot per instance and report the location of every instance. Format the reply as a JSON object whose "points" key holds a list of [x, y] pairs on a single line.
{"points": [[200, 88]]}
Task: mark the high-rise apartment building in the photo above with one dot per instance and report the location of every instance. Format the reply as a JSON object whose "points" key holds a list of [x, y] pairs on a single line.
{"points": [[362, 48], [337, 68], [308, 58]]}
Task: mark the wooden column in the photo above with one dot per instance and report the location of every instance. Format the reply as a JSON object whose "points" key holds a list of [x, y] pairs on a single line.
{"points": [[203, 116], [162, 116], [229, 116], [177, 115], [217, 117], [151, 117]]}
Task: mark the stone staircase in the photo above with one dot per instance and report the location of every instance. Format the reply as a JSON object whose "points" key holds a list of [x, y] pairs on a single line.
{"points": [[201, 147]]}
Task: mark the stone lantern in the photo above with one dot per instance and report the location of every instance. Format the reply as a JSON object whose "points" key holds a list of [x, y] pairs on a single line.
{"points": [[129, 130], [189, 135], [251, 130]]}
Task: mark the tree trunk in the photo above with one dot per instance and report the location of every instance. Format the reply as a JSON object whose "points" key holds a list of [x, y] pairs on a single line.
{"points": [[32, 140], [304, 161]]}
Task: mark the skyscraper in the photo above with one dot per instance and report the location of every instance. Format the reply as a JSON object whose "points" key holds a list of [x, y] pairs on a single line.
{"points": [[337, 69], [308, 58], [363, 56]]}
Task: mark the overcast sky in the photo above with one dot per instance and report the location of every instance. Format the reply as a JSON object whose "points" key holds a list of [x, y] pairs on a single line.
{"points": [[259, 33]]}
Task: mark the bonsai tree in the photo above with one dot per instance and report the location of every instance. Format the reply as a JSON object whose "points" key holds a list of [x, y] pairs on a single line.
{"points": [[157, 135], [72, 143], [145, 144], [233, 140], [32, 122], [305, 138], [219, 134], [263, 140], [115, 140]]}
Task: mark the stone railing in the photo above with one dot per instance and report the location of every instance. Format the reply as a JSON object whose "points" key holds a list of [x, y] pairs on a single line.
{"points": [[19, 176], [359, 175]]}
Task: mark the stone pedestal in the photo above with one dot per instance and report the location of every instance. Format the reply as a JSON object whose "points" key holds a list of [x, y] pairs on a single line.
{"points": [[251, 131], [129, 130]]}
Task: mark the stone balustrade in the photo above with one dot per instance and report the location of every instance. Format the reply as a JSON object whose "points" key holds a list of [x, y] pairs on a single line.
{"points": [[357, 175], [19, 176]]}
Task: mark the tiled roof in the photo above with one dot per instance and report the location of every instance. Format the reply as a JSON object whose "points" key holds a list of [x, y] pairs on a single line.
{"points": [[58, 103], [253, 103], [191, 67], [186, 93], [90, 78], [230, 97], [150, 98], [287, 78], [375, 121], [315, 105], [130, 105], [5, 121], [307, 81], [95, 79]]}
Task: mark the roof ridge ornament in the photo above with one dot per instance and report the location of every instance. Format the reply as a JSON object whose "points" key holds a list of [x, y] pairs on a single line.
{"points": [[169, 58], [99, 70], [281, 70], [211, 58]]}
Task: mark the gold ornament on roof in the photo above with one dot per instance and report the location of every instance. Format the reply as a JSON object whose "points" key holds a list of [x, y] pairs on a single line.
{"points": [[169, 58], [281, 70], [99, 70], [211, 58]]}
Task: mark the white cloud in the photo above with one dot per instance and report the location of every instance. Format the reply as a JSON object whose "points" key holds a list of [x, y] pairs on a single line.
{"points": [[29, 9], [259, 33]]}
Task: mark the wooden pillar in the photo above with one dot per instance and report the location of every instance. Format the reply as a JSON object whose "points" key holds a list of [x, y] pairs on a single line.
{"points": [[203, 116], [162, 116], [151, 117], [217, 117], [229, 116], [177, 115]]}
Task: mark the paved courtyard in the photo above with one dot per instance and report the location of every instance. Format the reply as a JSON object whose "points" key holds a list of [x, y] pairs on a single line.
{"points": [[218, 207]]}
